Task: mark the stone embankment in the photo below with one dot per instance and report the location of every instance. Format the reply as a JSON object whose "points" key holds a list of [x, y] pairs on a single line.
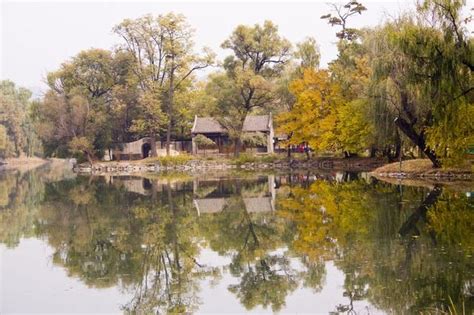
{"points": [[351, 164]]}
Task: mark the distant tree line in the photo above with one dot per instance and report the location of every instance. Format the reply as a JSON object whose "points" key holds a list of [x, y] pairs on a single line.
{"points": [[405, 84]]}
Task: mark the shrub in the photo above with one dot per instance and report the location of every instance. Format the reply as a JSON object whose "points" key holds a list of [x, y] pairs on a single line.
{"points": [[181, 159]]}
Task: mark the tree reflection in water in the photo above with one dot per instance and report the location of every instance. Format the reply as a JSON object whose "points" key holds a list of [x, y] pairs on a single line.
{"points": [[404, 250]]}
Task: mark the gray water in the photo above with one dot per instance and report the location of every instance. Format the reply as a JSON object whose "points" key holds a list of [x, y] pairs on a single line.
{"points": [[315, 243]]}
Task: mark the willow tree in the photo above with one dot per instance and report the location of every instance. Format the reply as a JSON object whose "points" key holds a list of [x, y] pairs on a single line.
{"points": [[423, 70], [163, 50]]}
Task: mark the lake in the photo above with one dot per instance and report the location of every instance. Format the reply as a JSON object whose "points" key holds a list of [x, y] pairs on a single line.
{"points": [[233, 242]]}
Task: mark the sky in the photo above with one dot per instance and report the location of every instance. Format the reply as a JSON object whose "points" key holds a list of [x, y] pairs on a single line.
{"points": [[37, 36]]}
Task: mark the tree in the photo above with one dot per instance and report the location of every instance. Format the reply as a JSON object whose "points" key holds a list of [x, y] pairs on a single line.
{"points": [[162, 48], [92, 96], [202, 140], [421, 65], [254, 139], [340, 16], [307, 52], [68, 124], [322, 117], [15, 106], [82, 145], [259, 54], [151, 119]]}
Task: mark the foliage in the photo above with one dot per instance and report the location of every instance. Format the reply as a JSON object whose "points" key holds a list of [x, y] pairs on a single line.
{"points": [[403, 84], [18, 136], [81, 146], [341, 14], [322, 117], [180, 159], [252, 158], [86, 100], [152, 119], [308, 53], [202, 140], [164, 62], [3, 139], [254, 139], [421, 65], [259, 54]]}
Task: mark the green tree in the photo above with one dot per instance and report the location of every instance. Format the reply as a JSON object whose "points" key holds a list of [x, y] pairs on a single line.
{"points": [[91, 97], [204, 142], [15, 105], [162, 48], [308, 54], [422, 65], [259, 54]]}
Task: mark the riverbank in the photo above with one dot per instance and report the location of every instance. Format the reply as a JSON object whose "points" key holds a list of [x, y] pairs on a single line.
{"points": [[422, 169], [22, 163], [192, 164]]}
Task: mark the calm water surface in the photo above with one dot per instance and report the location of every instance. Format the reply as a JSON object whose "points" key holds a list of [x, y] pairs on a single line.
{"points": [[313, 243]]}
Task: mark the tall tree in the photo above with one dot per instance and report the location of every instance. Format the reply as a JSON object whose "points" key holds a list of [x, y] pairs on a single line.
{"points": [[15, 105], [163, 50], [80, 104], [308, 54], [259, 54], [323, 118], [341, 14], [423, 68]]}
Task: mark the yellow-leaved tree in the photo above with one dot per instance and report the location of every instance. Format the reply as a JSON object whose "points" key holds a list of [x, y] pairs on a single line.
{"points": [[323, 118]]}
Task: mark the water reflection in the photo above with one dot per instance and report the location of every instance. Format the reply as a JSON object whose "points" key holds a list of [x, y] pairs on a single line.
{"points": [[401, 249]]}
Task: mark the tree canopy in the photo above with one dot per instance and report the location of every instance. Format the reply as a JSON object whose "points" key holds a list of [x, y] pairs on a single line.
{"points": [[403, 87]]}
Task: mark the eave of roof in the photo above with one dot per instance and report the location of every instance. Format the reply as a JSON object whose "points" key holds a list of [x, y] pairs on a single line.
{"points": [[251, 124]]}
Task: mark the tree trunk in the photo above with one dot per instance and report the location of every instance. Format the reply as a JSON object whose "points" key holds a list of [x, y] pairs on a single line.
{"points": [[289, 152], [418, 140], [373, 151], [170, 108], [430, 200], [398, 151], [237, 148], [152, 145], [89, 157]]}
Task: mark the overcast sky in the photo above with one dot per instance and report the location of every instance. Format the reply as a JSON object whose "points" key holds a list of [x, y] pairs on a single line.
{"points": [[37, 36]]}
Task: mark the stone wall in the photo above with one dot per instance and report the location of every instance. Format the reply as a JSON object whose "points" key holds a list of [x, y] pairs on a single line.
{"points": [[123, 167]]}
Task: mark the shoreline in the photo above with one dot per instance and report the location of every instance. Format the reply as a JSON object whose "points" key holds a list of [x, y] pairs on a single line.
{"points": [[23, 163], [421, 169], [418, 171], [136, 167]]}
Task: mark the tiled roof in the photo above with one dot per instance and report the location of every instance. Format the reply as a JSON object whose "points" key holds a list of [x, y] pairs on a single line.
{"points": [[210, 125], [216, 205], [207, 125], [256, 123]]}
